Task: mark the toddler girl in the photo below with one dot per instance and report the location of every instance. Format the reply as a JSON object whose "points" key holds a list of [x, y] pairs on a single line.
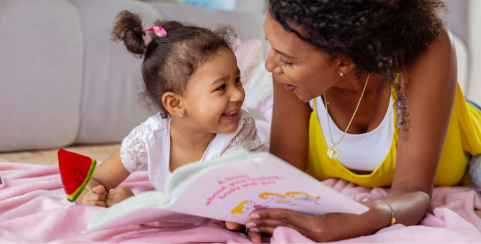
{"points": [[191, 75]]}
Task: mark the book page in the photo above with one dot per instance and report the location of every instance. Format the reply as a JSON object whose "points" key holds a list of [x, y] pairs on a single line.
{"points": [[186, 173], [143, 216], [124, 210], [150, 206], [230, 192]]}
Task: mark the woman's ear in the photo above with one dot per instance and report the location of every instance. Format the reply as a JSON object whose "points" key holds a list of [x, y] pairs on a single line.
{"points": [[345, 66], [173, 103]]}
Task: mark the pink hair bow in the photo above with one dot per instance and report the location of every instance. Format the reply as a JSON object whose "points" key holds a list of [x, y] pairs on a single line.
{"points": [[159, 31]]}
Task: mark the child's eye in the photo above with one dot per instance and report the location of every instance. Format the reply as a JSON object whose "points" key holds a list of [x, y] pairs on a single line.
{"points": [[237, 80], [284, 63], [220, 88]]}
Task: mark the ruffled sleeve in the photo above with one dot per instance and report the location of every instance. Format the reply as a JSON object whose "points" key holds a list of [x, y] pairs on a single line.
{"points": [[133, 152]]}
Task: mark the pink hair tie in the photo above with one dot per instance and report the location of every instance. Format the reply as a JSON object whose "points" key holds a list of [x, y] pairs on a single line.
{"points": [[159, 31]]}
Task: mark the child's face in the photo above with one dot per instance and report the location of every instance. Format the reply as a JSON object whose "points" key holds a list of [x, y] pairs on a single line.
{"points": [[215, 94]]}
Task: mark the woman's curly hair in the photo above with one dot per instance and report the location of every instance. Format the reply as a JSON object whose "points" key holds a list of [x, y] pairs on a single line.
{"points": [[169, 61], [379, 36]]}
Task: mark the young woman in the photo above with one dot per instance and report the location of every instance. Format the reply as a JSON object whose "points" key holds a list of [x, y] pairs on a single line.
{"points": [[366, 91]]}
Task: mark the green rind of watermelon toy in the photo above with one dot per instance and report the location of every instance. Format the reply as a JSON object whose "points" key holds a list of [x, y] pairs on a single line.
{"points": [[76, 170]]}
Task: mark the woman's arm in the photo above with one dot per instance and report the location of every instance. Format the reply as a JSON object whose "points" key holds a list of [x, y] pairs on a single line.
{"points": [[290, 127], [431, 85], [431, 89]]}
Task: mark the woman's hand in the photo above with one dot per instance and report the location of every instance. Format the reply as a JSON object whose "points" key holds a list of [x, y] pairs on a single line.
{"points": [[253, 234], [96, 198], [266, 220], [118, 194], [328, 227], [314, 228]]}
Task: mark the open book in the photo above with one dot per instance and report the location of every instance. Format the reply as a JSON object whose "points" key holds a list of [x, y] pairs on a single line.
{"points": [[227, 188]]}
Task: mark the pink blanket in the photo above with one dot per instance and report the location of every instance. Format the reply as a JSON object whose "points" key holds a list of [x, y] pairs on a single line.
{"points": [[33, 208]]}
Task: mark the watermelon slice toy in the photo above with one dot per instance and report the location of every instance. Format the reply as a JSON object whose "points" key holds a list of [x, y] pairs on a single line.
{"points": [[76, 170]]}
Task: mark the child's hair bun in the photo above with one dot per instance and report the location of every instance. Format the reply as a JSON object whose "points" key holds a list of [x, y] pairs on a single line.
{"points": [[128, 28]]}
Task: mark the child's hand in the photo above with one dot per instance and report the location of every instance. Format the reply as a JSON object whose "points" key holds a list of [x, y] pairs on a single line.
{"points": [[118, 194], [96, 198]]}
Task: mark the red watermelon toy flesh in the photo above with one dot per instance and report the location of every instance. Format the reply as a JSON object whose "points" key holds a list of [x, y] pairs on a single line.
{"points": [[76, 170]]}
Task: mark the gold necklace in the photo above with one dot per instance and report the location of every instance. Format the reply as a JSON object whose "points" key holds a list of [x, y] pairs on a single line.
{"points": [[333, 152]]}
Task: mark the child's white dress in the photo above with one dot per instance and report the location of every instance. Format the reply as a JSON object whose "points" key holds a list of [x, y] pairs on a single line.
{"points": [[147, 147]]}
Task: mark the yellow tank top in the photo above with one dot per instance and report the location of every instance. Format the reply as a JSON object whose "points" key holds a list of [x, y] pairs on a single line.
{"points": [[463, 140]]}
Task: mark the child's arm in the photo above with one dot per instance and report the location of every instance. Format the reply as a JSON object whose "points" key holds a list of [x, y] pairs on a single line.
{"points": [[108, 175]]}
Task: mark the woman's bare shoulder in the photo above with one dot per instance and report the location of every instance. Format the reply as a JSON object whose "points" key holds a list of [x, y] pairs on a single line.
{"points": [[438, 59], [431, 88]]}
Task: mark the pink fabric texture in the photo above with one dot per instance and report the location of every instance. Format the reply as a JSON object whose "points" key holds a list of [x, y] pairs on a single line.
{"points": [[33, 208]]}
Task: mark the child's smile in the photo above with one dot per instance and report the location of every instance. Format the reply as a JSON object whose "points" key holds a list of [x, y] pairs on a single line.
{"points": [[232, 115]]}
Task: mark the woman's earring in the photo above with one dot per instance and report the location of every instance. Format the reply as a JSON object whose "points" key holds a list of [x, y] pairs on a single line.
{"points": [[181, 115], [341, 74]]}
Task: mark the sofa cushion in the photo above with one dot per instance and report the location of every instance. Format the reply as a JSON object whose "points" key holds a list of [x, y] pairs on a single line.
{"points": [[40, 74], [111, 74]]}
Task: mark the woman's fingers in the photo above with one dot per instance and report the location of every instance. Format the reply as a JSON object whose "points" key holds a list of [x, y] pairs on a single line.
{"points": [[266, 220], [255, 236], [268, 226]]}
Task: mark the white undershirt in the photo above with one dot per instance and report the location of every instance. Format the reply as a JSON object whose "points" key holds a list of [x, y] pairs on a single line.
{"points": [[359, 151]]}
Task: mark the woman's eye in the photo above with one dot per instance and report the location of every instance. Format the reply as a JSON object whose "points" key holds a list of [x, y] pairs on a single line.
{"points": [[284, 63], [237, 80], [220, 88]]}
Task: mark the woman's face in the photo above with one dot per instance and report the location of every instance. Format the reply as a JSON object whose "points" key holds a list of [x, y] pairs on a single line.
{"points": [[299, 66]]}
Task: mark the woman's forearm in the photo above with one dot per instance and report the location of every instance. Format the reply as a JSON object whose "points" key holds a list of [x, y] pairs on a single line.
{"points": [[409, 207], [409, 204]]}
